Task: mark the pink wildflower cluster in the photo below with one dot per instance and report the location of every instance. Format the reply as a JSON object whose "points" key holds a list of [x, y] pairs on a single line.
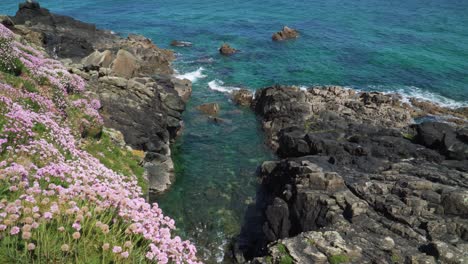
{"points": [[51, 70], [48, 177], [89, 108]]}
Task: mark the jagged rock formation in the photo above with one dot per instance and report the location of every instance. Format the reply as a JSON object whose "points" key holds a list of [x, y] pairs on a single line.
{"points": [[285, 33], [131, 76], [227, 50], [359, 182]]}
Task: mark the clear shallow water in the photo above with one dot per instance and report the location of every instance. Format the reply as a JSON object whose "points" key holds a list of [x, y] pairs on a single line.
{"points": [[415, 47]]}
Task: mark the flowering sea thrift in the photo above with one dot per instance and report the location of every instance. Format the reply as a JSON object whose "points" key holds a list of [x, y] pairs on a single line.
{"points": [[56, 200]]}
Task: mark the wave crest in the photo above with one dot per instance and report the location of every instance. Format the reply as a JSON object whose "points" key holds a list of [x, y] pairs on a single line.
{"points": [[217, 85], [192, 76]]}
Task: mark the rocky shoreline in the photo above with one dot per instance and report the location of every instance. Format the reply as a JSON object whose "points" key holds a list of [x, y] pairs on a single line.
{"points": [[131, 76], [358, 181]]}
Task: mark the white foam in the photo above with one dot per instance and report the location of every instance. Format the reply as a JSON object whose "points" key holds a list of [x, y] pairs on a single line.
{"points": [[217, 85], [408, 92], [192, 76]]}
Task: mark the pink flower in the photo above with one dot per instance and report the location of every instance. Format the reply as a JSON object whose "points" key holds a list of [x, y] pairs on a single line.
{"points": [[14, 230], [47, 215], [124, 254], [116, 249], [76, 226], [31, 246]]}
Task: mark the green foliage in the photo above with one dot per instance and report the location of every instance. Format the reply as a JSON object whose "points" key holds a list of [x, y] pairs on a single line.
{"points": [[96, 231], [39, 128], [117, 159], [395, 258], [9, 63], [30, 87], [337, 259], [408, 136], [13, 66], [18, 82], [31, 104], [285, 257], [42, 80]]}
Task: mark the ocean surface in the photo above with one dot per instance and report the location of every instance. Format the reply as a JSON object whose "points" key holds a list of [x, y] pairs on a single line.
{"points": [[415, 47]]}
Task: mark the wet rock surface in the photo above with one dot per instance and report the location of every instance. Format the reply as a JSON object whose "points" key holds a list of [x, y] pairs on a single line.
{"points": [[131, 76], [358, 181], [227, 50], [242, 97], [285, 34]]}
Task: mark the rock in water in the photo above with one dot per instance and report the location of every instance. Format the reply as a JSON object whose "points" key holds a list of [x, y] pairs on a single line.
{"points": [[286, 33], [227, 50], [242, 97], [209, 109], [179, 43]]}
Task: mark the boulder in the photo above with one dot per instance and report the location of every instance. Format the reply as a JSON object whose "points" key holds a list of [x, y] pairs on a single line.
{"points": [[209, 108], [98, 59], [227, 50], [286, 33], [125, 64], [179, 43], [242, 97]]}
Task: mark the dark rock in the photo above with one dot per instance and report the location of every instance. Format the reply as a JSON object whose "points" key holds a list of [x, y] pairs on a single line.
{"points": [[443, 138], [227, 50], [355, 168], [285, 33]]}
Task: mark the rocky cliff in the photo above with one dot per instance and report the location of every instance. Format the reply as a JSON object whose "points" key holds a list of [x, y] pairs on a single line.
{"points": [[359, 181], [131, 76]]}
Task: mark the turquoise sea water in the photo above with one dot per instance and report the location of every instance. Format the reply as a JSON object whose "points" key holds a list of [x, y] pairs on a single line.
{"points": [[415, 47]]}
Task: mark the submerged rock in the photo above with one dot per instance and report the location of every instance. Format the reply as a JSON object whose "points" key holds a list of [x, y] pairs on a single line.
{"points": [[285, 33], [227, 50], [179, 43], [209, 108]]}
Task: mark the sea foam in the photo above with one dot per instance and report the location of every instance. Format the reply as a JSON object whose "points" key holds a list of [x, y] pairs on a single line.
{"points": [[192, 76], [408, 92], [217, 85]]}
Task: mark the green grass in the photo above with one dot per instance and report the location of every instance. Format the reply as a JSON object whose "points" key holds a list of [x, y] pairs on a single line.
{"points": [[117, 159], [18, 82], [15, 67], [285, 257], [87, 249], [337, 259]]}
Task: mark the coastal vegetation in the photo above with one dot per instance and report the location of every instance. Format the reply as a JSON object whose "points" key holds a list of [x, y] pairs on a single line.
{"points": [[68, 194]]}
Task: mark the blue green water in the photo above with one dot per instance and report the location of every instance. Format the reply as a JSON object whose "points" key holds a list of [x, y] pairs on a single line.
{"points": [[415, 47]]}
